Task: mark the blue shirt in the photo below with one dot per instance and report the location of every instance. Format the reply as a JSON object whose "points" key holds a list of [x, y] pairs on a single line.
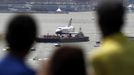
{"points": [[14, 66]]}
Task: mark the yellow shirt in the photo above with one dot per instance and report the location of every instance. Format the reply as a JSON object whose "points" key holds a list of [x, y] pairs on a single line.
{"points": [[115, 56]]}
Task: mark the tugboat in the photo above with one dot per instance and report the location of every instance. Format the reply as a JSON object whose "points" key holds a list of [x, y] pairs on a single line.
{"points": [[97, 44], [57, 45], [63, 35]]}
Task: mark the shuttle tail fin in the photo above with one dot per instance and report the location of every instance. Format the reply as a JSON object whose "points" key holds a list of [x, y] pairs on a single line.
{"points": [[70, 22]]}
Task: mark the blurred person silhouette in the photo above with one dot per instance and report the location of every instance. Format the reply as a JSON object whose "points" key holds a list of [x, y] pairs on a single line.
{"points": [[115, 56], [66, 60], [20, 35]]}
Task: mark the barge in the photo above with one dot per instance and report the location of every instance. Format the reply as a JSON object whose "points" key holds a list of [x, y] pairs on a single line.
{"points": [[62, 39], [63, 35]]}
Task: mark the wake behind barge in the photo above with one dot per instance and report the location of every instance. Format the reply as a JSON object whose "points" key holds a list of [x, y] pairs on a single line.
{"points": [[63, 39]]}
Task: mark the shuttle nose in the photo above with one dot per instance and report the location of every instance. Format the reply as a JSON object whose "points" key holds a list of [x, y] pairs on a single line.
{"points": [[58, 32]]}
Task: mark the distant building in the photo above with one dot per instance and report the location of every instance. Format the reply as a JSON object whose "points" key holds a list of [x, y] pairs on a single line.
{"points": [[58, 10]]}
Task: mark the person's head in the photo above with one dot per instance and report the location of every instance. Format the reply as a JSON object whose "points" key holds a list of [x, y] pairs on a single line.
{"points": [[110, 16], [21, 34], [67, 60]]}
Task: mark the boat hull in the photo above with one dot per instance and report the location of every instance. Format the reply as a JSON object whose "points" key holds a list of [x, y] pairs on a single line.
{"points": [[62, 40]]}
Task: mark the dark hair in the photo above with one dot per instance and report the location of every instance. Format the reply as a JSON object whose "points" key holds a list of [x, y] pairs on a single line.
{"points": [[21, 33], [111, 16], [67, 60]]}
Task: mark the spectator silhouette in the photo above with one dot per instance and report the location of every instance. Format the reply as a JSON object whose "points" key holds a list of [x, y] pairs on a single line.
{"points": [[66, 60], [20, 36], [115, 55]]}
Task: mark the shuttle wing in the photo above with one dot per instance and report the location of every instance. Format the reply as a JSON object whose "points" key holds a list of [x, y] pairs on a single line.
{"points": [[69, 33]]}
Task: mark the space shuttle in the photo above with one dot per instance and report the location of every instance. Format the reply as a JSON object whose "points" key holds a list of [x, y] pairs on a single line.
{"points": [[69, 29]]}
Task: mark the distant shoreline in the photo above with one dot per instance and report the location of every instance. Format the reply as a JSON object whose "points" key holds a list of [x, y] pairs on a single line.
{"points": [[36, 12]]}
